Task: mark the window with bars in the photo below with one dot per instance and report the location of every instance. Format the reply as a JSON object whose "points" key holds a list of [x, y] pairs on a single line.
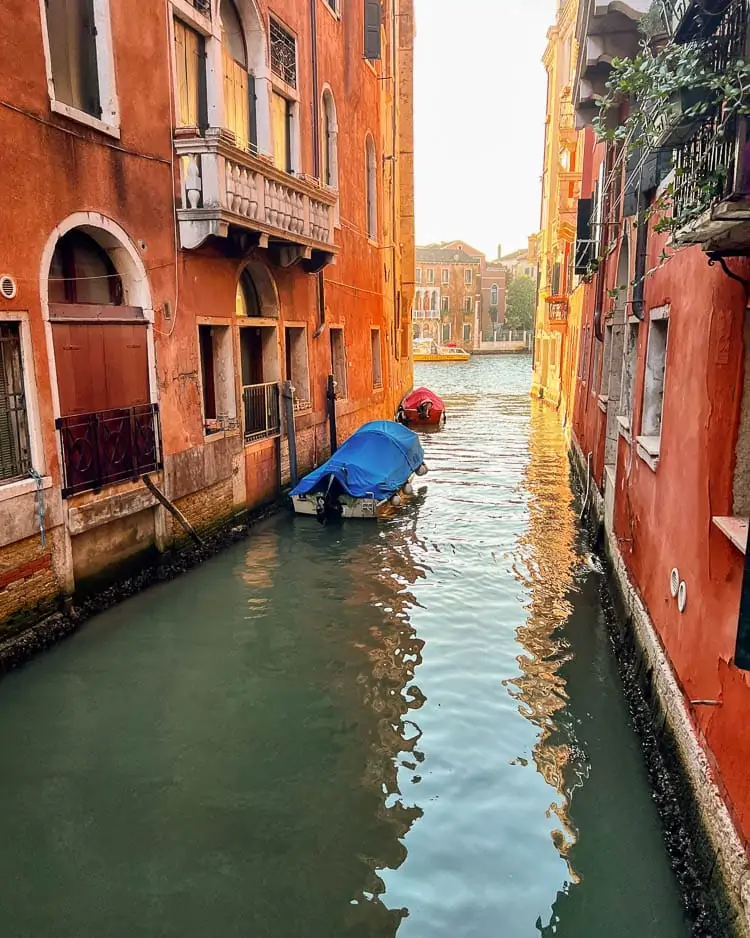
{"points": [[15, 451], [283, 54], [202, 6]]}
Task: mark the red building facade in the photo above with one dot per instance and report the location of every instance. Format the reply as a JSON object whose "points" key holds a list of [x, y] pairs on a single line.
{"points": [[205, 201], [661, 424]]}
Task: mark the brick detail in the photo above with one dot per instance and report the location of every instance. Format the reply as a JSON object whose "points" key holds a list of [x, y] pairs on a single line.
{"points": [[206, 509], [28, 584]]}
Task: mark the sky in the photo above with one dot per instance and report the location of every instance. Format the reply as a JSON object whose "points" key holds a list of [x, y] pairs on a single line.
{"points": [[480, 95]]}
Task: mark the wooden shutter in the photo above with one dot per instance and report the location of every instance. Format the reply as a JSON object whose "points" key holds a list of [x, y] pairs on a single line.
{"points": [[236, 100], [187, 56], [373, 17], [279, 107]]}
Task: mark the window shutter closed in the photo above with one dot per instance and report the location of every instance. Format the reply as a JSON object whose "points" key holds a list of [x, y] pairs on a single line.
{"points": [[89, 69], [584, 243], [372, 29]]}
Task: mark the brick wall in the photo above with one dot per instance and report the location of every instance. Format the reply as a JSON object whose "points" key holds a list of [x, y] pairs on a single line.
{"points": [[205, 510], [29, 588]]}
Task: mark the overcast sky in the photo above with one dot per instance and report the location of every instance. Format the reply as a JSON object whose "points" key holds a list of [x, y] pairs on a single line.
{"points": [[480, 94]]}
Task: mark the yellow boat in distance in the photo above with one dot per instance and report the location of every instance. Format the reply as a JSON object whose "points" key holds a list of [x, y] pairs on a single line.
{"points": [[432, 352]]}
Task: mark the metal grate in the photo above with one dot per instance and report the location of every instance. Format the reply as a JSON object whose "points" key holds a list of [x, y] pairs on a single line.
{"points": [[202, 6], [261, 411], [283, 54], [109, 446], [15, 452]]}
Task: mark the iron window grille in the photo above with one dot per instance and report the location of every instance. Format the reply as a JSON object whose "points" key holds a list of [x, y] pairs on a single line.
{"points": [[261, 413], [283, 54], [15, 451], [202, 6], [109, 446]]}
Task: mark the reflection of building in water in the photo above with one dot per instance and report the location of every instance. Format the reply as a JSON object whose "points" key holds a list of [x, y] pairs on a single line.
{"points": [[393, 652], [547, 558]]}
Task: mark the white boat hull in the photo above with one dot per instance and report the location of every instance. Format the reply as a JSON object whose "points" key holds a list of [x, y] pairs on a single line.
{"points": [[365, 508]]}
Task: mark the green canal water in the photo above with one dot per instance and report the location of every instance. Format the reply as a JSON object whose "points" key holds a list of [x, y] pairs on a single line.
{"points": [[412, 726]]}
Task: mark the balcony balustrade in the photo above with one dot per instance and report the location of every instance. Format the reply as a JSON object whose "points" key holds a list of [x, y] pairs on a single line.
{"points": [[223, 186], [690, 19], [109, 446], [557, 311]]}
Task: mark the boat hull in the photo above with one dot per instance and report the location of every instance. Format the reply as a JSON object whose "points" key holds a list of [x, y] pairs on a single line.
{"points": [[459, 357], [366, 509], [422, 408]]}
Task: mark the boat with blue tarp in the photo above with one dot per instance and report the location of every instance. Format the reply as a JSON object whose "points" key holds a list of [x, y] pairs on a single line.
{"points": [[371, 471]]}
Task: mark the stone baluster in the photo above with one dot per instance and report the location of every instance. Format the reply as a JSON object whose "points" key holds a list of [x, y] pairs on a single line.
{"points": [[244, 193]]}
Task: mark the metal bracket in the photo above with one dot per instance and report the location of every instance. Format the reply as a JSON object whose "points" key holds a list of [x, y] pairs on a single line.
{"points": [[715, 258]]}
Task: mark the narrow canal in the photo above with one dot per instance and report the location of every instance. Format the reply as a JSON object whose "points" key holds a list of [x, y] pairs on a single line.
{"points": [[412, 726]]}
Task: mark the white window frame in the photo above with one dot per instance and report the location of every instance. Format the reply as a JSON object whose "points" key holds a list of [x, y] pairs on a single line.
{"points": [[109, 122], [445, 275], [292, 96], [430, 275], [342, 391], [442, 327], [445, 304], [376, 341], [494, 295], [15, 487], [302, 394], [418, 278], [654, 386], [334, 10], [225, 396], [468, 306], [468, 276], [467, 326]]}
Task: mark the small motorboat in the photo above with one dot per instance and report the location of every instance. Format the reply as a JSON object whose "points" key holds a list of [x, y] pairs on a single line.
{"points": [[421, 408], [432, 352], [369, 473]]}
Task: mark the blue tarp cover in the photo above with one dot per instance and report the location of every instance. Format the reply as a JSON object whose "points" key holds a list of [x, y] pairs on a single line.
{"points": [[377, 460]]}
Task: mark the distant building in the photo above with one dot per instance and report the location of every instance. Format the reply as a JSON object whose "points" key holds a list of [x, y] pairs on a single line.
{"points": [[521, 263], [468, 293]]}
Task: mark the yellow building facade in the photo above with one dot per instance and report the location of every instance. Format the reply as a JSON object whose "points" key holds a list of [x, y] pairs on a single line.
{"points": [[559, 301]]}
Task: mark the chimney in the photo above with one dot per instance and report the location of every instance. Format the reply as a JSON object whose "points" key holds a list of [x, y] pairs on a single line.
{"points": [[499, 251]]}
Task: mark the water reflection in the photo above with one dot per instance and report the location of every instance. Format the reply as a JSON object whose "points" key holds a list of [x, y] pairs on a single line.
{"points": [[547, 558]]}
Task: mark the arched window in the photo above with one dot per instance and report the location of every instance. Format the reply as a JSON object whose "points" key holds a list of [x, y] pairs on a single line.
{"points": [[493, 294], [329, 143], [418, 301], [433, 302], [247, 302], [372, 191], [239, 85], [82, 272]]}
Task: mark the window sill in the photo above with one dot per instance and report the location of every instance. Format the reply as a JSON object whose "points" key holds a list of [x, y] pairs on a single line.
{"points": [[82, 117], [648, 450], [214, 435], [623, 428], [735, 529], [603, 403], [376, 244], [21, 487]]}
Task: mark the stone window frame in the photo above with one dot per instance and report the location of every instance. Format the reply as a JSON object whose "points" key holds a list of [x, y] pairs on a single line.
{"points": [[109, 122]]}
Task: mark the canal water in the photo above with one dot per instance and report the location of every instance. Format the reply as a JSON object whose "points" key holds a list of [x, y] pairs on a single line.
{"points": [[412, 726]]}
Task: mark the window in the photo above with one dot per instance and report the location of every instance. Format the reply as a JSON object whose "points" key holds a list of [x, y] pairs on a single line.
{"points": [[297, 365], [259, 369], [372, 41], [333, 5], [446, 275], [217, 378], [467, 305], [246, 301], [190, 65], [72, 31], [282, 115], [467, 332], [82, 272], [629, 365], [15, 450], [283, 54], [446, 332], [468, 276], [329, 143], [372, 191], [338, 361], [445, 304], [430, 275], [656, 361], [494, 294], [433, 300], [377, 362], [419, 274], [239, 87]]}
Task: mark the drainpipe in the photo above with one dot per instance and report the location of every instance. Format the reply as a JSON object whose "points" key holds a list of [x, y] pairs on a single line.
{"points": [[316, 149], [641, 250]]}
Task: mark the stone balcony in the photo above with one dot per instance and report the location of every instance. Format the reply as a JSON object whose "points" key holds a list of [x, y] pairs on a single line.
{"points": [[226, 191]]}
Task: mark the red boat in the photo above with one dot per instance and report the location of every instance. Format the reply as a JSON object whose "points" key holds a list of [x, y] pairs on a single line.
{"points": [[422, 408]]}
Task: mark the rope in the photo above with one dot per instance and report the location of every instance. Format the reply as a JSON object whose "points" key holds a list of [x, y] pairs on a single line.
{"points": [[39, 505]]}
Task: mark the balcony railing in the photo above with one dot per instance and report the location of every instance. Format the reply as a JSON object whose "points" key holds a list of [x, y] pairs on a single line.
{"points": [[691, 19], [261, 417], [223, 185], [109, 446]]}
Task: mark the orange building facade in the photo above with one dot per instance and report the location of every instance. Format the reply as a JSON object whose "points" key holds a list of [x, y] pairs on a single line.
{"points": [[176, 254]]}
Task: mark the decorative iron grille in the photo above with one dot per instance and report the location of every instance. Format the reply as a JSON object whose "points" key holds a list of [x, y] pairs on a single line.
{"points": [[689, 19], [109, 446], [261, 411], [283, 54], [15, 453], [557, 308]]}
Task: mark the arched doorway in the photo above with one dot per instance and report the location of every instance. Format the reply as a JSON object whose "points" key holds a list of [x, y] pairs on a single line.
{"points": [[108, 425]]}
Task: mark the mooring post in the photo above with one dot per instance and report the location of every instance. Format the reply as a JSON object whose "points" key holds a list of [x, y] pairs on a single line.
{"points": [[332, 412], [287, 392]]}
